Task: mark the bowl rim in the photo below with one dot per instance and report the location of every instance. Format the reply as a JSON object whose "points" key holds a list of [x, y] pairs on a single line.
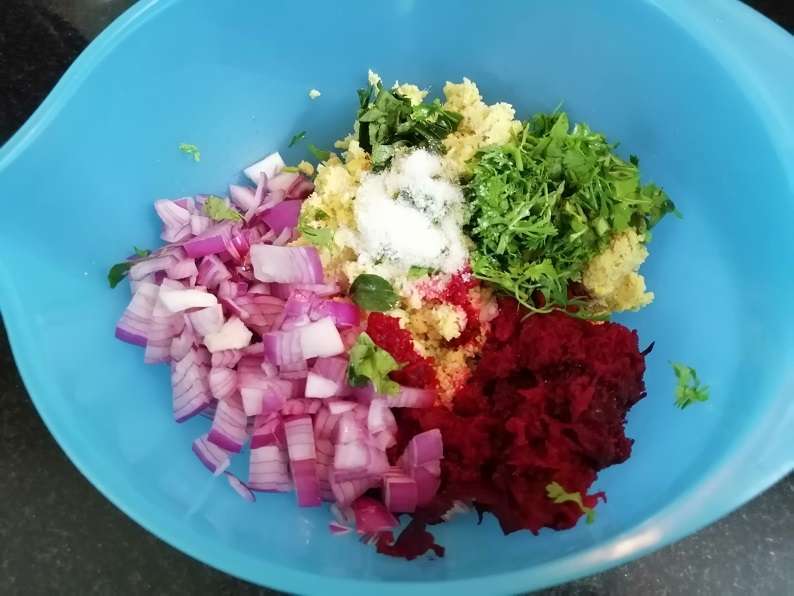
{"points": [[735, 478]]}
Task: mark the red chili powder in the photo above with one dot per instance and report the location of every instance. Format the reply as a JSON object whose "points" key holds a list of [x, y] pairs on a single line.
{"points": [[457, 294], [417, 371], [546, 403]]}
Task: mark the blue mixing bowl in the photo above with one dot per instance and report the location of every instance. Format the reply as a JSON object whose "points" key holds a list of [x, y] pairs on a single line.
{"points": [[702, 91]]}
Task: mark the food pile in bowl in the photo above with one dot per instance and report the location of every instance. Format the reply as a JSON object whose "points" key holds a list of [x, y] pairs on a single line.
{"points": [[419, 325]]}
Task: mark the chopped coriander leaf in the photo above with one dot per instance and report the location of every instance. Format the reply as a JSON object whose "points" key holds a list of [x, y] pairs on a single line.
{"points": [[688, 390], [319, 154], [297, 138], [557, 493], [191, 150], [373, 293], [119, 271], [387, 121], [542, 206], [368, 362], [320, 237], [217, 210]]}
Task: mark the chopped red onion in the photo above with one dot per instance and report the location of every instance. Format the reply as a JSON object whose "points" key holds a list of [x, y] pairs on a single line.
{"points": [[282, 216], [214, 458], [424, 448], [267, 469], [244, 197], [207, 320], [286, 264], [240, 487], [211, 272], [269, 166], [339, 406], [300, 446], [282, 182], [189, 385], [268, 430], [229, 425], [344, 314], [399, 491], [134, 323], [182, 269], [179, 300], [233, 335], [261, 393], [327, 378], [222, 382], [199, 224]]}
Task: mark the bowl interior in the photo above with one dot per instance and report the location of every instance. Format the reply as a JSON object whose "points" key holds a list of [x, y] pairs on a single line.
{"points": [[233, 79]]}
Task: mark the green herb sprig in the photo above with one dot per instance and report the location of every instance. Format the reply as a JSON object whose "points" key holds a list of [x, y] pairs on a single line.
{"points": [[558, 494], [688, 389], [190, 149], [387, 121], [543, 205], [368, 362]]}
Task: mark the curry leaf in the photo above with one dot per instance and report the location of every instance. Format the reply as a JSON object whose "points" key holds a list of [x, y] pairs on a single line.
{"points": [[373, 293]]}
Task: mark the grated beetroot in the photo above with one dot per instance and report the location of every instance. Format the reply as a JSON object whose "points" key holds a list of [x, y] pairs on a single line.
{"points": [[546, 403]]}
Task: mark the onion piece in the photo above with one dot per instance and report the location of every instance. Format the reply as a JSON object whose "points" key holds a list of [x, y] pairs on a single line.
{"points": [[282, 216], [427, 485], [134, 323], [286, 264], [344, 314], [406, 397], [320, 338], [268, 430], [244, 197], [233, 335], [207, 320], [189, 386], [267, 469], [261, 393], [327, 378], [182, 269], [151, 265], [178, 300], [214, 458], [269, 166], [339, 406], [222, 382], [282, 182], [212, 271], [423, 448], [300, 447], [229, 426], [175, 216], [347, 491], [399, 491], [240, 487], [380, 417]]}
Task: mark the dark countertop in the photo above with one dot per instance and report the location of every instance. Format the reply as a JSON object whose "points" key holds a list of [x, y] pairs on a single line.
{"points": [[59, 535]]}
